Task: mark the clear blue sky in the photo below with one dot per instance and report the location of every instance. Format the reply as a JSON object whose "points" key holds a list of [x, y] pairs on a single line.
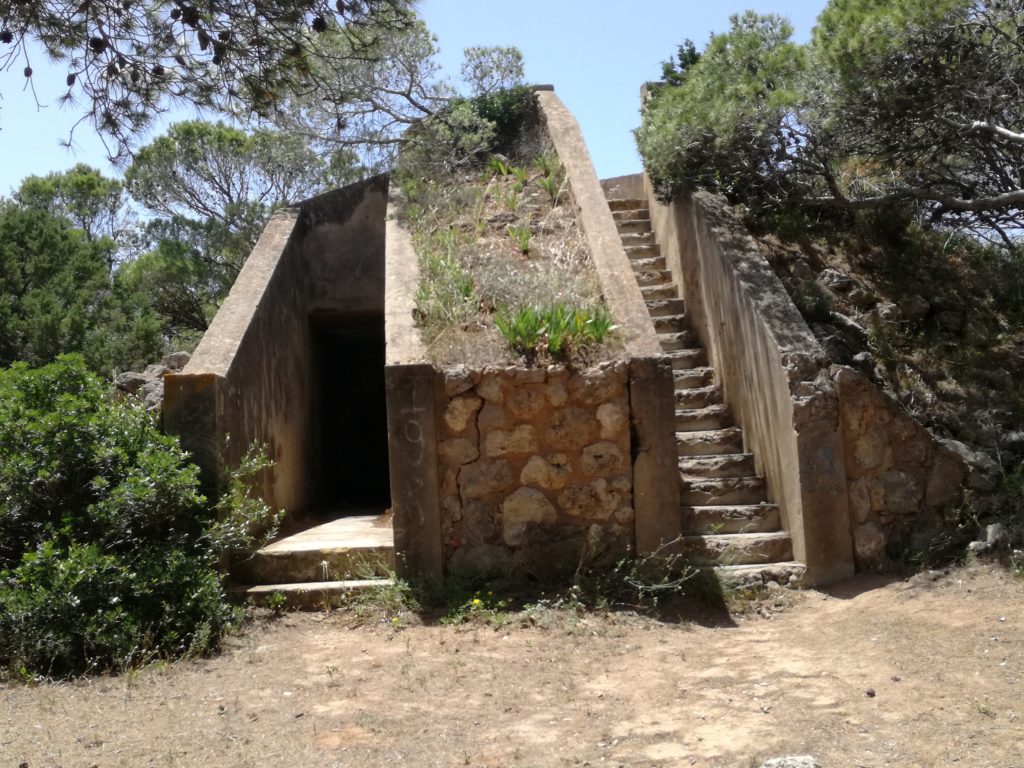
{"points": [[596, 53]]}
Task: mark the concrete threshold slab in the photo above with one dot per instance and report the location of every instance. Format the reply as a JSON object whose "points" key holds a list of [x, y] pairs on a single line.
{"points": [[355, 532]]}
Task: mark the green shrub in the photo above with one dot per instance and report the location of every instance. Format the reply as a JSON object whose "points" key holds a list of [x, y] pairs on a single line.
{"points": [[557, 329], [105, 559]]}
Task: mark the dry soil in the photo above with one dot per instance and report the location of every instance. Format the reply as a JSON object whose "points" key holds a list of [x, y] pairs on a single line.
{"points": [[925, 671]]}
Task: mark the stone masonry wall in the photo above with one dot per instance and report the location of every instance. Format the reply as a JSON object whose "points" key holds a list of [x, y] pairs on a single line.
{"points": [[535, 469], [903, 483]]}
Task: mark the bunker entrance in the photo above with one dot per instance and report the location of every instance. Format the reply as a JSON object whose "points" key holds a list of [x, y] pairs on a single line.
{"points": [[350, 416]]}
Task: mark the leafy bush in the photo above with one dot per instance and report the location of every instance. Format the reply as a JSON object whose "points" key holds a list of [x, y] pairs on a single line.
{"points": [[104, 555]]}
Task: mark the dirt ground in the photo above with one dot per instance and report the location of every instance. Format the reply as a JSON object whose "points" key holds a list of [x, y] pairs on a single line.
{"points": [[925, 671]]}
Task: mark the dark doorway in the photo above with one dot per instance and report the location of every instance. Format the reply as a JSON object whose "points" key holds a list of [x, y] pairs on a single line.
{"points": [[350, 415]]}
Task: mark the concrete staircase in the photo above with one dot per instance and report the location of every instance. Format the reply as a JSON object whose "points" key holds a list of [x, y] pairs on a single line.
{"points": [[727, 522], [318, 567]]}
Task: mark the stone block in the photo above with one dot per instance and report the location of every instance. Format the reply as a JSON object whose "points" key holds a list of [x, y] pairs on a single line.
{"points": [[860, 499], [903, 492], [478, 523], [614, 419], [520, 510], [556, 394], [602, 459], [550, 472], [457, 380], [594, 501], [571, 429], [460, 411], [483, 478], [492, 416], [869, 542], [526, 402], [485, 561], [522, 439], [491, 388], [945, 481], [598, 385], [458, 451]]}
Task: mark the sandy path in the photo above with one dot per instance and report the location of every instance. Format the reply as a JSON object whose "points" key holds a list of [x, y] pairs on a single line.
{"points": [[944, 658]]}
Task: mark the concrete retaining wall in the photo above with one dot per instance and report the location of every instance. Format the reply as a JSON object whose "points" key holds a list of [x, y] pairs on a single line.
{"points": [[252, 376]]}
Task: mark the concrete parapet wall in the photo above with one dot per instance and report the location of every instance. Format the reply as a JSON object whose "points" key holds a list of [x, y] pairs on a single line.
{"points": [[773, 372], [251, 377], [614, 272]]}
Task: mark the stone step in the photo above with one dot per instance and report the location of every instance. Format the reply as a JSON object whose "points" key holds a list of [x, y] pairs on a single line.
{"points": [[649, 277], [722, 465], [713, 442], [734, 577], [698, 397], [686, 378], [627, 205], [358, 547], [716, 416], [687, 358], [632, 225], [736, 548], [631, 214], [671, 323], [307, 595], [636, 239], [673, 342], [719, 491], [731, 518], [662, 291], [651, 264], [665, 307], [639, 252]]}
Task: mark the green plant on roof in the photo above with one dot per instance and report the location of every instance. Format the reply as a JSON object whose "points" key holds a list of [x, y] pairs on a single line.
{"points": [[520, 234]]}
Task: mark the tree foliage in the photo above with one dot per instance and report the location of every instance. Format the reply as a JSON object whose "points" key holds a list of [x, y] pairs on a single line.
{"points": [[128, 60], [214, 187], [57, 291], [909, 104]]}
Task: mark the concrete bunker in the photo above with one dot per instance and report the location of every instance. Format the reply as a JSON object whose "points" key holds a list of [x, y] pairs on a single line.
{"points": [[294, 360]]}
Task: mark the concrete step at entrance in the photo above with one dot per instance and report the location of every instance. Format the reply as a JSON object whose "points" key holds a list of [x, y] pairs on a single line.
{"points": [[715, 416], [722, 465], [756, 576], [650, 264], [627, 205], [736, 548], [687, 358], [635, 239], [712, 442], [698, 397], [307, 595], [735, 518], [666, 307], [663, 291], [628, 226], [649, 277], [719, 491], [674, 342], [701, 376], [359, 547]]}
